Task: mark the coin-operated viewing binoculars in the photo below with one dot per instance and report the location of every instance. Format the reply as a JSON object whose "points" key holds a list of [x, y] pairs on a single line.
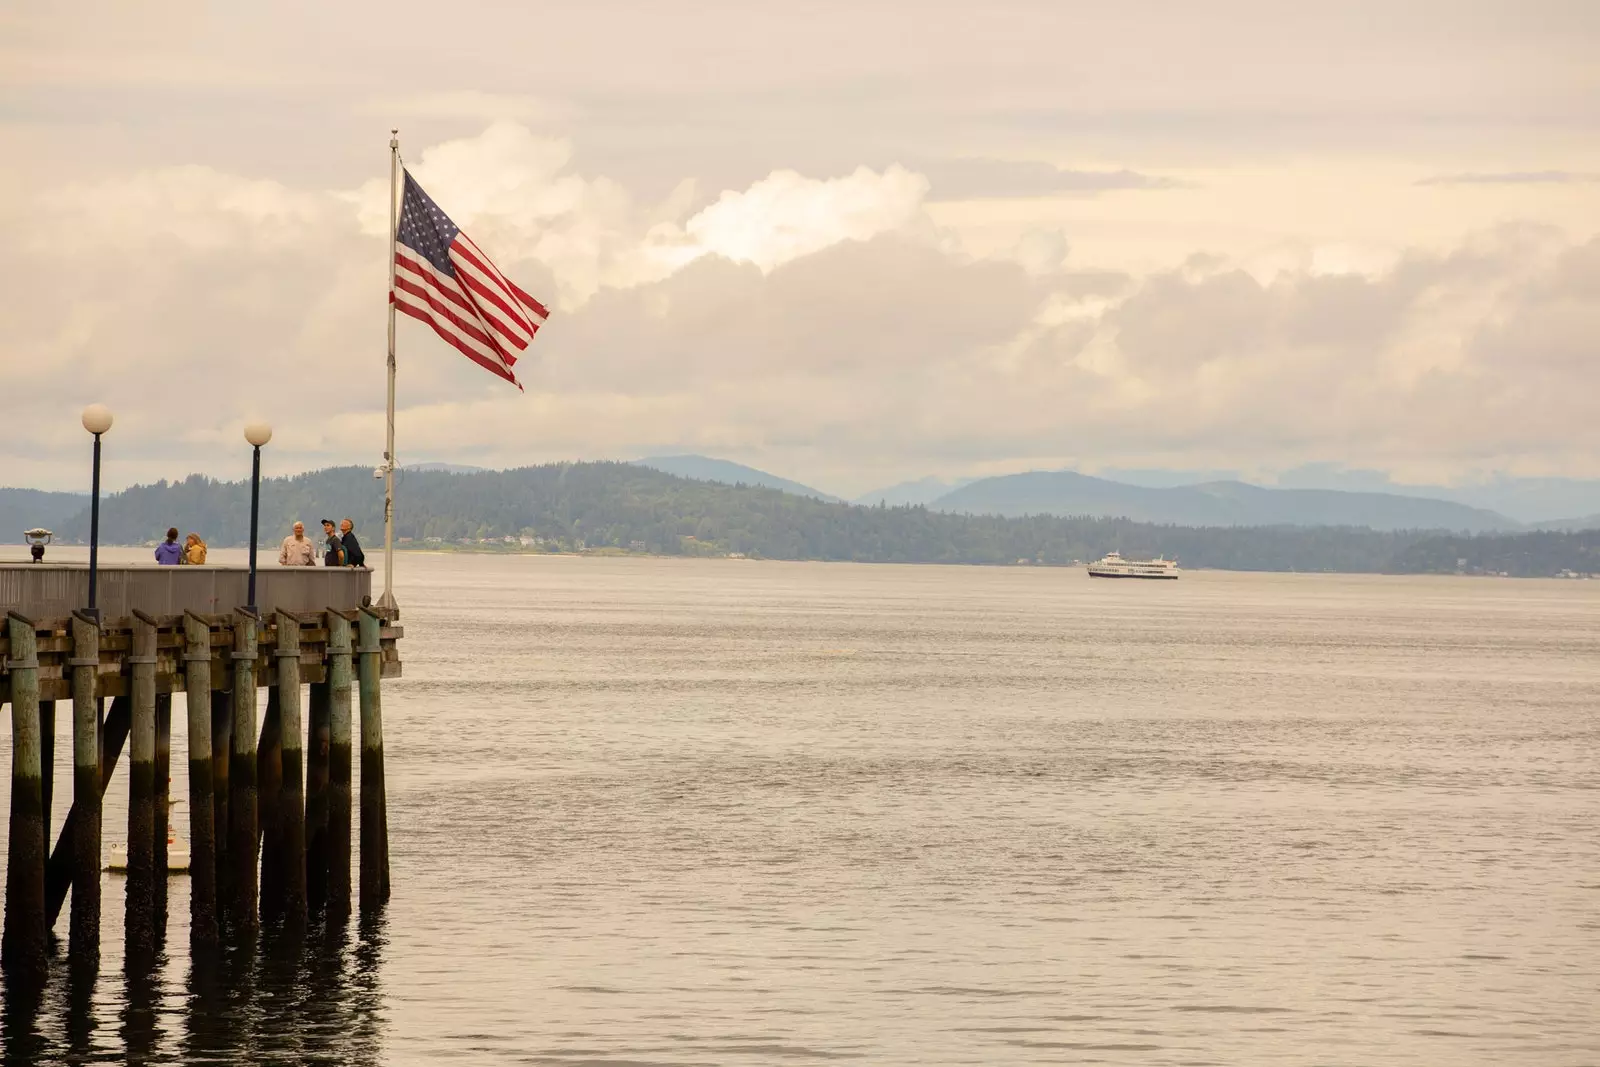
{"points": [[38, 537]]}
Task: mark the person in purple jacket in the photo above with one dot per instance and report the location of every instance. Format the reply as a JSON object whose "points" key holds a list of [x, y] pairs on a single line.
{"points": [[169, 553]]}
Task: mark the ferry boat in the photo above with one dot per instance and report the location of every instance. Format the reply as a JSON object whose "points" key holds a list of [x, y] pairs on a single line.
{"points": [[1114, 566]]}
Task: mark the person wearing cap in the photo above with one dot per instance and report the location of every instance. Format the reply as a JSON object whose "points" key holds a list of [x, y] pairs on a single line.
{"points": [[334, 557]]}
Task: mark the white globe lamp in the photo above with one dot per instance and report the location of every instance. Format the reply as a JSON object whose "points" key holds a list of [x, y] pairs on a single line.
{"points": [[97, 419]]}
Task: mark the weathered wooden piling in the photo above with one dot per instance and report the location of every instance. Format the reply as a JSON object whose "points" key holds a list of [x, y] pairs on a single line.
{"points": [[339, 737], [291, 796], [163, 807], [374, 806], [140, 902], [202, 811], [84, 934], [221, 755], [269, 787], [60, 872], [24, 952], [242, 797], [319, 710], [47, 758]]}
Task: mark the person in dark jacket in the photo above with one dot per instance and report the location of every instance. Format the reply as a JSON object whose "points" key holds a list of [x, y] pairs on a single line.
{"points": [[353, 556], [169, 553], [334, 557]]}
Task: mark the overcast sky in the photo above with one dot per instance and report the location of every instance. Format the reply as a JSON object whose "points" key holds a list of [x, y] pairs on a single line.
{"points": [[847, 242]]}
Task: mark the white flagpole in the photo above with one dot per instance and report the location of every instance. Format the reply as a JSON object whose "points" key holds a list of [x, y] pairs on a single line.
{"points": [[387, 601]]}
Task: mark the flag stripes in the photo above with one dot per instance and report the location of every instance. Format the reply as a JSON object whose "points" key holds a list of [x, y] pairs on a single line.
{"points": [[443, 279]]}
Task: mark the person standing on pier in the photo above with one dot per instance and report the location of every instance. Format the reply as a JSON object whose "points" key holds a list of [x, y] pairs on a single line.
{"points": [[334, 557], [353, 556], [297, 550], [169, 553], [194, 550]]}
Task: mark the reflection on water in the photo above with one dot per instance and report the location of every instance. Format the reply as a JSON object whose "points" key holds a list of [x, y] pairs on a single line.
{"points": [[308, 999]]}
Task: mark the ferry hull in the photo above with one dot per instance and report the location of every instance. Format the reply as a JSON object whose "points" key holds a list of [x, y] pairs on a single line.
{"points": [[1139, 577]]}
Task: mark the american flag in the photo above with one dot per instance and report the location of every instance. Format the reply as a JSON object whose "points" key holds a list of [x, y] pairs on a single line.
{"points": [[444, 280]]}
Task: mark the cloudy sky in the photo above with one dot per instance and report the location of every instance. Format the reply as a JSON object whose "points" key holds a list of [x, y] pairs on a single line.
{"points": [[848, 242]]}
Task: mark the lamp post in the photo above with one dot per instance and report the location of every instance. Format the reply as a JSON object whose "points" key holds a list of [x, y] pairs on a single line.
{"points": [[97, 420], [258, 434]]}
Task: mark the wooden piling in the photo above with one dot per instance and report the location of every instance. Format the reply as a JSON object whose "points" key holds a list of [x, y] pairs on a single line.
{"points": [[162, 805], [60, 871], [318, 711], [84, 941], [291, 797], [139, 915], [269, 788], [374, 806], [221, 753], [287, 807], [242, 796], [339, 737], [47, 757], [202, 811], [24, 949]]}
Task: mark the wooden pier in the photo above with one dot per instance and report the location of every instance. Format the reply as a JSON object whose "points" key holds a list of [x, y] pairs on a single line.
{"points": [[270, 808]]}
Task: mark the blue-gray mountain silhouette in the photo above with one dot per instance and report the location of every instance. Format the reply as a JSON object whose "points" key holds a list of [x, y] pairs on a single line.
{"points": [[708, 469], [1226, 503]]}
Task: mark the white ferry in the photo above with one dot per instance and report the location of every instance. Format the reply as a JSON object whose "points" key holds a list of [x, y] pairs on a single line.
{"points": [[1114, 566]]}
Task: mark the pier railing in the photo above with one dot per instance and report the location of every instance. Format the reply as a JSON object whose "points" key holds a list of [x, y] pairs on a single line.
{"points": [[51, 590]]}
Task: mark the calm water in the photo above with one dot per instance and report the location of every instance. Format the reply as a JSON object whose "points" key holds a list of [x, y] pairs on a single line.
{"points": [[668, 812]]}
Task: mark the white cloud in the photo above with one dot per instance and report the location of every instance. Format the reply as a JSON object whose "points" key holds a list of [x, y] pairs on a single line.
{"points": [[786, 215], [516, 193], [818, 324]]}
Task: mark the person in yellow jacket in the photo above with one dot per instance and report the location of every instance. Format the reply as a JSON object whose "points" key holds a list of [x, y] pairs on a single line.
{"points": [[194, 550]]}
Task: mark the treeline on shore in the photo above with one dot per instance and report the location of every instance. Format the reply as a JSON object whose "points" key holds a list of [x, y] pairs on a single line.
{"points": [[597, 506]]}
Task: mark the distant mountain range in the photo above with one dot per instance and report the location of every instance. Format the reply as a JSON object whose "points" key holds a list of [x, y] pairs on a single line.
{"points": [[1527, 500], [706, 469], [1157, 496], [1531, 501], [1213, 504], [923, 491], [618, 508]]}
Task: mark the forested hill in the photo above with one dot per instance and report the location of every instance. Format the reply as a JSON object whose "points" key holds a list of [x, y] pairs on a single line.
{"points": [[598, 505], [23, 509], [1529, 555]]}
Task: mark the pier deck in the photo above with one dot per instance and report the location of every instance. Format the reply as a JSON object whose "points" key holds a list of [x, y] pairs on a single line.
{"points": [[46, 595]]}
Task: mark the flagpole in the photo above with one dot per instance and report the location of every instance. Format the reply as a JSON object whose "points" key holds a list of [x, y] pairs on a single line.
{"points": [[387, 600]]}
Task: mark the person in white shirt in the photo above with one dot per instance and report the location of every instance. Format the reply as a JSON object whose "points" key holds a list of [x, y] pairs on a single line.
{"points": [[297, 550]]}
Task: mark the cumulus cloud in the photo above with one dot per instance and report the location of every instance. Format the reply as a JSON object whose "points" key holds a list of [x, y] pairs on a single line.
{"points": [[818, 324], [786, 216], [521, 199]]}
